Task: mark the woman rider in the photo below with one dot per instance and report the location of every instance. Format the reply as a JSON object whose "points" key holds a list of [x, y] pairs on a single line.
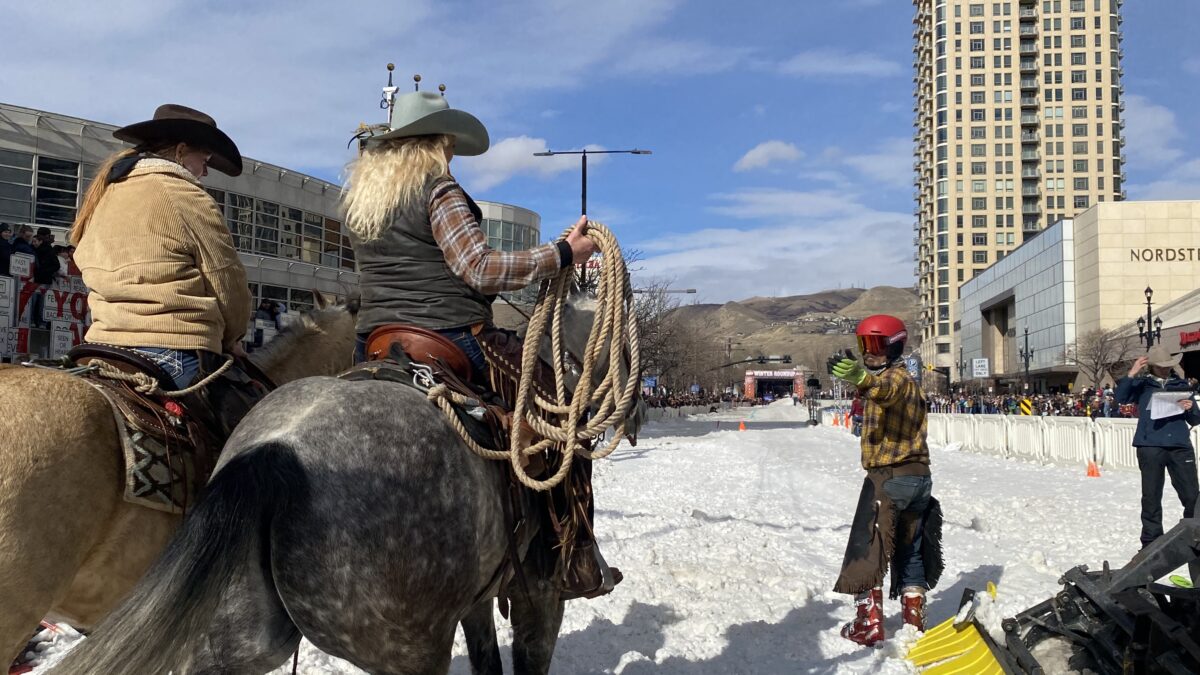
{"points": [[422, 257], [163, 277]]}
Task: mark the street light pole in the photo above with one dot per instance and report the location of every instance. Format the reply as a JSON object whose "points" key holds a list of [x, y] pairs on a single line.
{"points": [[1026, 356], [962, 366], [1149, 331], [583, 164]]}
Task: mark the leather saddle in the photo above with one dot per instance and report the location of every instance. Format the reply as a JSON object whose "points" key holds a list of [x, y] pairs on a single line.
{"points": [[421, 345], [121, 358]]}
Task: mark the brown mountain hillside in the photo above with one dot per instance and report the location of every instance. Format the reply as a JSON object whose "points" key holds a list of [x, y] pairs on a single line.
{"points": [[810, 328], [793, 306], [901, 302]]}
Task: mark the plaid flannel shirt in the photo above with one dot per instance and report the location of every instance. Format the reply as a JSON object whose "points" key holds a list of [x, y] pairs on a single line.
{"points": [[467, 252], [894, 422]]}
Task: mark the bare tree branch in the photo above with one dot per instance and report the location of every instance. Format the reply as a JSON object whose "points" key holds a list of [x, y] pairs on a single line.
{"points": [[1096, 353]]}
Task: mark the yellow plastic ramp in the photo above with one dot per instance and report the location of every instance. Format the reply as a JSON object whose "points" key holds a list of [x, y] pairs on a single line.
{"points": [[949, 650]]}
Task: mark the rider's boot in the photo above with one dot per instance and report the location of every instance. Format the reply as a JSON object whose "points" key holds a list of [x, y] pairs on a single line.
{"points": [[587, 574], [913, 601], [867, 627]]}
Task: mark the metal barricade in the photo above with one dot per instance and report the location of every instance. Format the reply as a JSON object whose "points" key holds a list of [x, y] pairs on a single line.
{"points": [[1070, 439], [991, 434], [1027, 438], [1114, 442]]}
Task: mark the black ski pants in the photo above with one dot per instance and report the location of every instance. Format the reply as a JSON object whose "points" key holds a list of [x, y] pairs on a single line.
{"points": [[1180, 463]]}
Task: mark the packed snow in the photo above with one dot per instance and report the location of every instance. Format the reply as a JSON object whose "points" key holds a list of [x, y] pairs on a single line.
{"points": [[730, 542]]}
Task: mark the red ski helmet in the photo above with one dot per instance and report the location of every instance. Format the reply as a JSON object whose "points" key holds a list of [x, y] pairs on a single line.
{"points": [[882, 335]]}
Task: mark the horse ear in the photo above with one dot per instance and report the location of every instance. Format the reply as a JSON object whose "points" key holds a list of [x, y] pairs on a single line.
{"points": [[353, 302], [319, 299]]}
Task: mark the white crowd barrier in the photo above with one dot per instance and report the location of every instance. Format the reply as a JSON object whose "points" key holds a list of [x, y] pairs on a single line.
{"points": [[658, 414], [1059, 440]]}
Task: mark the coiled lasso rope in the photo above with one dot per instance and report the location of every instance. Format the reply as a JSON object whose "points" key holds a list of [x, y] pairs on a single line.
{"points": [[614, 330]]}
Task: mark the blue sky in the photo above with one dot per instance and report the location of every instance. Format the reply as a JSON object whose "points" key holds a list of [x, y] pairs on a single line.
{"points": [[781, 129]]}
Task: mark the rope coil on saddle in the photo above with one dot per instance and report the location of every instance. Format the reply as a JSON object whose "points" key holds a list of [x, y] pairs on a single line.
{"points": [[144, 384], [614, 329]]}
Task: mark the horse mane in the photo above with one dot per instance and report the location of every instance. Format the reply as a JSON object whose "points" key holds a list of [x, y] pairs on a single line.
{"points": [[309, 331]]}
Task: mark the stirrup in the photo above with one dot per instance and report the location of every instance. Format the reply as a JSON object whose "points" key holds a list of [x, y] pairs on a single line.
{"points": [[596, 578]]}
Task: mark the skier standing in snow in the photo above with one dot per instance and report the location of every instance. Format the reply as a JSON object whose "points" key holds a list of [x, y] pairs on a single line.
{"points": [[897, 519]]}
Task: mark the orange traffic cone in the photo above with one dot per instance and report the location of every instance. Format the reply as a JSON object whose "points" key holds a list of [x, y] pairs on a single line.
{"points": [[837, 420], [847, 421], [741, 426], [1093, 470]]}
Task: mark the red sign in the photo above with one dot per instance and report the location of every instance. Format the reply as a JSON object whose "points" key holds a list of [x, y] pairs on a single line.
{"points": [[1189, 338]]}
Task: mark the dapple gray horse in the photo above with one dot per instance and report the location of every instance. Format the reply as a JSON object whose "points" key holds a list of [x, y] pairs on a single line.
{"points": [[350, 513]]}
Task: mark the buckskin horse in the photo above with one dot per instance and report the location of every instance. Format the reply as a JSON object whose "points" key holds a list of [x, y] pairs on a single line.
{"points": [[352, 514], [70, 546]]}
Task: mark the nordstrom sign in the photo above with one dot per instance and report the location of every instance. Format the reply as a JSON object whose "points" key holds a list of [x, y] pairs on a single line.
{"points": [[1164, 254]]}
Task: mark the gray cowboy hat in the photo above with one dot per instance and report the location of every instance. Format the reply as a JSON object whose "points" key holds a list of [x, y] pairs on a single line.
{"points": [[1160, 356], [424, 113], [177, 123]]}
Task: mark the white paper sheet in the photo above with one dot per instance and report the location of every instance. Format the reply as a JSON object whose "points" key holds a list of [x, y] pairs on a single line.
{"points": [[1166, 404]]}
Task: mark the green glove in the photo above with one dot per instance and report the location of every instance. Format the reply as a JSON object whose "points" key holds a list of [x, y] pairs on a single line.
{"points": [[851, 371]]}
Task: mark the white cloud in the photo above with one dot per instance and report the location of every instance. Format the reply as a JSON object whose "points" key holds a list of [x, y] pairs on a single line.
{"points": [[835, 62], [816, 239], [767, 153], [890, 164], [783, 205], [1151, 132], [836, 178], [1182, 182], [513, 156]]}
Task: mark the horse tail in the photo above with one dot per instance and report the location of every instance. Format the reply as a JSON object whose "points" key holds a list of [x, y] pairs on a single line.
{"points": [[152, 631]]}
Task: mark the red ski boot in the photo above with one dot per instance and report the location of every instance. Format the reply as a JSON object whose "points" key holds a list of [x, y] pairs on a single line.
{"points": [[867, 627], [914, 608]]}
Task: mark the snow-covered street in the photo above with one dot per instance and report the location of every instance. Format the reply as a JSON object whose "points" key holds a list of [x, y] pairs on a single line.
{"points": [[730, 542]]}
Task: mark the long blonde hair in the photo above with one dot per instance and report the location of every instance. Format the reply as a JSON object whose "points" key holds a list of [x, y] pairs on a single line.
{"points": [[391, 177], [100, 182]]}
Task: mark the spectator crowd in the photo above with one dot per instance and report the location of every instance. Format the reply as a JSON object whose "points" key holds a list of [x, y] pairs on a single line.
{"points": [[1087, 403]]}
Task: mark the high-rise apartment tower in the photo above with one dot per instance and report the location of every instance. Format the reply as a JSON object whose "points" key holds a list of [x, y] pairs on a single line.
{"points": [[1018, 125]]}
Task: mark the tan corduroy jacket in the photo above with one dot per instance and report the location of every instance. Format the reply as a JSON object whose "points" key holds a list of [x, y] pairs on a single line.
{"points": [[160, 265]]}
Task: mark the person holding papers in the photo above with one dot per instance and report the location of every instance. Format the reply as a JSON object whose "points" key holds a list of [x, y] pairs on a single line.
{"points": [[1166, 413]]}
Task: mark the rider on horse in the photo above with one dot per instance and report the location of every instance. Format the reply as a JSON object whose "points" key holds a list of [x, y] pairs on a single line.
{"points": [[425, 262], [164, 279]]}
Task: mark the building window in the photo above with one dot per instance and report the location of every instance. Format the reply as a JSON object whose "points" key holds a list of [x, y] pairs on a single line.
{"points": [[979, 239], [1081, 201], [978, 221], [57, 191], [16, 185], [979, 257], [943, 348]]}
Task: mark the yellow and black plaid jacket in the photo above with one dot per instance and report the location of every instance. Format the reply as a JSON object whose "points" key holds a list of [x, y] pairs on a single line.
{"points": [[894, 422]]}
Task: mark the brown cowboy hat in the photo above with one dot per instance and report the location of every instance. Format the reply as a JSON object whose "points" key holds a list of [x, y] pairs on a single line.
{"points": [[172, 122], [1160, 356]]}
